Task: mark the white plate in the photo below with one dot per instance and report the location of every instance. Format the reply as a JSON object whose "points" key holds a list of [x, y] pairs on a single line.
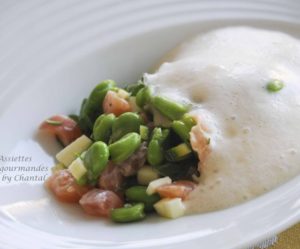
{"points": [[52, 53]]}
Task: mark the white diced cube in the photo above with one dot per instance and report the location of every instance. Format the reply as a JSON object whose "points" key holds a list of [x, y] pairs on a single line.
{"points": [[67, 155], [152, 187], [77, 168], [170, 208]]}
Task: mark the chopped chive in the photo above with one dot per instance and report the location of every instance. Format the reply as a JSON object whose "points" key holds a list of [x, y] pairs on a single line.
{"points": [[275, 85], [54, 122]]}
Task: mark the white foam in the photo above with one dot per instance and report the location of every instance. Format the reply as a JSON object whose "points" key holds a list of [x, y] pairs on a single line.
{"points": [[254, 134]]}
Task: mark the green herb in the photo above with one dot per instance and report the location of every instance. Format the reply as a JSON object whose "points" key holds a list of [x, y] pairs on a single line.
{"points": [[54, 122], [275, 85]]}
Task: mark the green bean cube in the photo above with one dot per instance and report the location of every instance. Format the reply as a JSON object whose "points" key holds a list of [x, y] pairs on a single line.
{"points": [[144, 132], [275, 85], [181, 130], [125, 147], [143, 97], [128, 214], [169, 108], [124, 124], [139, 194], [188, 120], [96, 159], [170, 208], [155, 153], [103, 127]]}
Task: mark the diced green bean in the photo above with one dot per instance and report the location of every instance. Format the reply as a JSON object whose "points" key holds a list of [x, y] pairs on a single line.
{"points": [[99, 120], [96, 159], [103, 127], [92, 107], [134, 88], [125, 147], [98, 94], [156, 133], [128, 214], [155, 153], [144, 132], [169, 108], [125, 123], [160, 134], [188, 120], [143, 96], [275, 85], [139, 194], [164, 135], [181, 130]]}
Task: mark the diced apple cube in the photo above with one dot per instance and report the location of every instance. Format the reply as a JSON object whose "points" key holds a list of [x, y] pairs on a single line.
{"points": [[146, 174], [132, 102], [152, 187], [170, 208], [69, 153], [123, 94], [77, 168]]}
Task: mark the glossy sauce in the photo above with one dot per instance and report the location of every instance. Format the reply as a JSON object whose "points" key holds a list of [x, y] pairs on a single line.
{"points": [[254, 134]]}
